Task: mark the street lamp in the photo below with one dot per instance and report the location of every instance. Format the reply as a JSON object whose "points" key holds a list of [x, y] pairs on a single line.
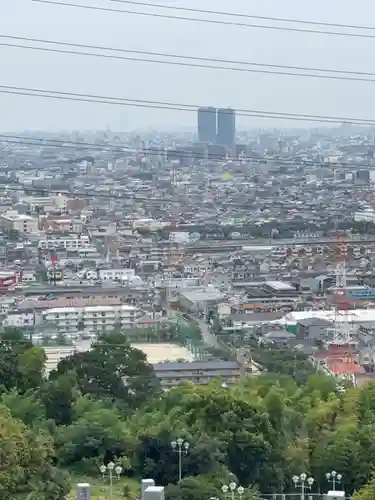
{"points": [[110, 468], [180, 446], [333, 478], [232, 488], [303, 482]]}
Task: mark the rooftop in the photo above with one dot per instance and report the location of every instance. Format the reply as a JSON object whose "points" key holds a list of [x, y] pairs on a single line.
{"points": [[64, 310], [197, 365], [203, 294], [279, 285], [16, 216]]}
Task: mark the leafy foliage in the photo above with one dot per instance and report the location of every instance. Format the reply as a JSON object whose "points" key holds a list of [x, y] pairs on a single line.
{"points": [[97, 431], [107, 405], [26, 462], [112, 369], [284, 361]]}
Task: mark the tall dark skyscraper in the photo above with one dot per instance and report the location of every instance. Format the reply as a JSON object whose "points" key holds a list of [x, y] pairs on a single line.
{"points": [[226, 127], [207, 124]]}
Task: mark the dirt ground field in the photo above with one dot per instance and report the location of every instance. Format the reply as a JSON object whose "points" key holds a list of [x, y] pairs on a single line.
{"points": [[156, 353]]}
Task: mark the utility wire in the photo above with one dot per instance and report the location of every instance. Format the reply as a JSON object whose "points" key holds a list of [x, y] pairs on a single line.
{"points": [[105, 148], [75, 145], [112, 197], [323, 73], [247, 16], [139, 199], [206, 21], [97, 195], [120, 148], [138, 103], [45, 142]]}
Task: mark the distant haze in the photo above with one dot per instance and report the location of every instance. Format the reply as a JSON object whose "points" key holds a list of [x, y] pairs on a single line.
{"points": [[181, 84]]}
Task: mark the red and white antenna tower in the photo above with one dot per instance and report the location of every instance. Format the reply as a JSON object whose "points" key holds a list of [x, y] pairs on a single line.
{"points": [[341, 304], [341, 346], [341, 251]]}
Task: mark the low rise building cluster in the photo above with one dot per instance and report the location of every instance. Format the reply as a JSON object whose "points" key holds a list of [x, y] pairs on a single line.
{"points": [[276, 226]]}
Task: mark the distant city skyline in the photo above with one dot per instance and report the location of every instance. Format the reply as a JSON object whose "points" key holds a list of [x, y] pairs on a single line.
{"points": [[207, 124], [217, 126]]}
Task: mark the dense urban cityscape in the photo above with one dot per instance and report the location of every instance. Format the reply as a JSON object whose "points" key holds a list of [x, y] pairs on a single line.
{"points": [[219, 260], [186, 312]]}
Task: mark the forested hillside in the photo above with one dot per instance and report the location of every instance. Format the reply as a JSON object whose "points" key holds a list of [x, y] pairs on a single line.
{"points": [[260, 433]]}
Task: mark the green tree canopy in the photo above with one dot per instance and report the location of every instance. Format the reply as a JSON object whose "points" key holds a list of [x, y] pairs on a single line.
{"points": [[112, 369], [97, 431], [21, 364], [25, 458]]}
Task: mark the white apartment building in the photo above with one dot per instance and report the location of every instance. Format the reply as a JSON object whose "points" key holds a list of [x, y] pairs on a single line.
{"points": [[19, 319], [55, 355], [62, 225], [151, 224], [28, 277], [18, 222], [116, 274], [67, 243], [367, 215], [48, 203], [92, 318]]}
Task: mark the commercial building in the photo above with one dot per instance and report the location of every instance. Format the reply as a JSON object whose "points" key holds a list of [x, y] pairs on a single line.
{"points": [[200, 299], [354, 293], [226, 127], [17, 222], [207, 124], [45, 203]]}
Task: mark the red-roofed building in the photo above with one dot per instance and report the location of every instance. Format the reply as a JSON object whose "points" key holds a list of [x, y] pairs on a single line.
{"points": [[342, 367]]}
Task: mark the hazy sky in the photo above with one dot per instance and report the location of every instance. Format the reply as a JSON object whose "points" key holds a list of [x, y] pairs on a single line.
{"points": [[181, 84]]}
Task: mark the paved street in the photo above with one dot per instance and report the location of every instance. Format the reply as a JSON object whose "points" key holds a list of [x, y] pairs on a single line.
{"points": [[207, 337]]}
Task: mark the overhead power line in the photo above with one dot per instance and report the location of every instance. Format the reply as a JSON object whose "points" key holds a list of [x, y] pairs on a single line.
{"points": [[250, 67], [66, 144], [247, 16], [207, 21], [121, 148], [95, 195], [112, 197], [42, 141], [138, 103]]}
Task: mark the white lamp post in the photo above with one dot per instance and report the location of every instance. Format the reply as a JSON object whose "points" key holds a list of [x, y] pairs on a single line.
{"points": [[233, 489], [303, 482], [333, 477], [181, 447], [110, 468]]}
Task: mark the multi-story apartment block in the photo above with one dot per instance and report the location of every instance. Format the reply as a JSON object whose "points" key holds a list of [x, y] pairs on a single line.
{"points": [[150, 252], [21, 223], [62, 225], [116, 274], [93, 318], [48, 203], [61, 243], [200, 372]]}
